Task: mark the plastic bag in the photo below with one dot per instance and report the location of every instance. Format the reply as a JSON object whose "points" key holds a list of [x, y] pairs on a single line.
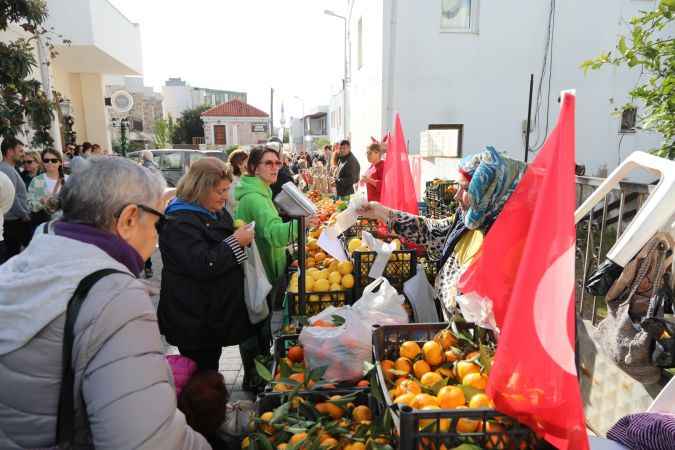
{"points": [[381, 304], [256, 286], [421, 295], [343, 349]]}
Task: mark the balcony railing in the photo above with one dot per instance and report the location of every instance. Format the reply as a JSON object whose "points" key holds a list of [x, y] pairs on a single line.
{"points": [[598, 232]]}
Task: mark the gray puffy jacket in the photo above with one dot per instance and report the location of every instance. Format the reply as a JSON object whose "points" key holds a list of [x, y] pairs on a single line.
{"points": [[122, 380]]}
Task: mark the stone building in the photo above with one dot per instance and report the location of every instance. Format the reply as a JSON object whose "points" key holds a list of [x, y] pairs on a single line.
{"points": [[235, 123]]}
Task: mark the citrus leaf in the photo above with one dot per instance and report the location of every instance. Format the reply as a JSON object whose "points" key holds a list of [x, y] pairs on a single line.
{"points": [[438, 386], [265, 444], [338, 320], [284, 369], [469, 391], [317, 374], [485, 358], [309, 412], [280, 413], [263, 371], [344, 400]]}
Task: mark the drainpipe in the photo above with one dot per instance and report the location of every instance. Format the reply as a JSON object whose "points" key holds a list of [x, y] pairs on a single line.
{"points": [[55, 130]]}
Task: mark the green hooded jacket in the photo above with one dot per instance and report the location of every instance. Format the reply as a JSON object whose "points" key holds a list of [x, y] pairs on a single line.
{"points": [[272, 236]]}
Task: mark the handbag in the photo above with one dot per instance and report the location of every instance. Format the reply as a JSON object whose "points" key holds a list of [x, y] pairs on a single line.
{"points": [[635, 305], [65, 423], [256, 286]]}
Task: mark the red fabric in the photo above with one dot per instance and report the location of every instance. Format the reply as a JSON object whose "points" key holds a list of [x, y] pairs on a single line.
{"points": [[376, 172], [526, 268], [398, 190]]}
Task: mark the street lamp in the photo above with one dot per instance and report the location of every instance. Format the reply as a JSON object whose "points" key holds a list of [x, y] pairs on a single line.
{"points": [[346, 74]]}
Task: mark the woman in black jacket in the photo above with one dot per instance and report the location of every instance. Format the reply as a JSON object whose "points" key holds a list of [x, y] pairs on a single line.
{"points": [[201, 306]]}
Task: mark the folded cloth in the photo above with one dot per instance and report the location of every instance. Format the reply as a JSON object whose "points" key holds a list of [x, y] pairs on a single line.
{"points": [[645, 431]]}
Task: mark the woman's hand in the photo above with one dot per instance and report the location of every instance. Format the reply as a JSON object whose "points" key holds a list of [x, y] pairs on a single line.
{"points": [[244, 235], [374, 210]]}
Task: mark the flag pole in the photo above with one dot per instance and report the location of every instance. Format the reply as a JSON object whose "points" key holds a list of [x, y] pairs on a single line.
{"points": [[529, 116]]}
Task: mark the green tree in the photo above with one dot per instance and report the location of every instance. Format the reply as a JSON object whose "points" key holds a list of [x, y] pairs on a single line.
{"points": [[164, 132], [189, 125], [22, 101], [650, 48]]}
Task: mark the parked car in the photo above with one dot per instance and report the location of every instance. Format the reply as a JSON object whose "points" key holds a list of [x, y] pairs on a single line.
{"points": [[173, 163]]}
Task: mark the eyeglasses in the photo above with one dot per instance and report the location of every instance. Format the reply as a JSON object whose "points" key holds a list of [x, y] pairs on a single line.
{"points": [[28, 161], [163, 218], [272, 163], [51, 161]]}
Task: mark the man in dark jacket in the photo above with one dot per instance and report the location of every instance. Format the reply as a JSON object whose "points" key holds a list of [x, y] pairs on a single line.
{"points": [[284, 176], [348, 170]]}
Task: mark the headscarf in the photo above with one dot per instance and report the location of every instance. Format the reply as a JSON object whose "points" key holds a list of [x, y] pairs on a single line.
{"points": [[493, 178]]}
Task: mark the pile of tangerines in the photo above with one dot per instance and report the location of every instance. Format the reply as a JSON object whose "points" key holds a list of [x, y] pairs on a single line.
{"points": [[438, 375]]}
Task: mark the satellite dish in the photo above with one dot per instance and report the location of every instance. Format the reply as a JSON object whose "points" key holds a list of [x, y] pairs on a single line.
{"points": [[121, 102]]}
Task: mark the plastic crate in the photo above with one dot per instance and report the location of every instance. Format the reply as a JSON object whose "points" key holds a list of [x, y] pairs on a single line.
{"points": [[374, 227], [315, 302], [430, 269], [386, 343], [401, 267], [280, 349]]}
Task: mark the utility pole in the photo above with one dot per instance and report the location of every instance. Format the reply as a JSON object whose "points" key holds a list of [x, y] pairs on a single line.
{"points": [[272, 112]]}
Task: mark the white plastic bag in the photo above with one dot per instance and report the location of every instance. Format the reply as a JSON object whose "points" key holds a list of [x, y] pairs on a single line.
{"points": [[381, 304], [421, 295], [256, 286], [343, 349]]}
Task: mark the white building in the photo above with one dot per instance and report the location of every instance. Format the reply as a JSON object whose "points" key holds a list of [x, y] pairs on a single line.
{"points": [[468, 62], [336, 117], [103, 41], [179, 96]]}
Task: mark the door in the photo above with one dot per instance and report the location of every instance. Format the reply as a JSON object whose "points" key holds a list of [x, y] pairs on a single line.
{"points": [[219, 135]]}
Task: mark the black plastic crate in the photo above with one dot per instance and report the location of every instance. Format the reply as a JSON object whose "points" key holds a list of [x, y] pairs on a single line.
{"points": [[315, 302], [401, 267], [503, 432], [267, 401], [371, 226], [280, 349]]}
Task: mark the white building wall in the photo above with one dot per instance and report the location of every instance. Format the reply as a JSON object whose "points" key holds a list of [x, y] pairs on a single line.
{"points": [[336, 118], [176, 99], [365, 105], [481, 80]]}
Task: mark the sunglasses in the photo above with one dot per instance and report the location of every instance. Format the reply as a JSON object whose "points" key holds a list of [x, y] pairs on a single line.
{"points": [[29, 161], [272, 163], [159, 225], [51, 161]]}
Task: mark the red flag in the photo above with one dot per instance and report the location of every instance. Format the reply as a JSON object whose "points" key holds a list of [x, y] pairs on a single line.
{"points": [[526, 268], [398, 189]]}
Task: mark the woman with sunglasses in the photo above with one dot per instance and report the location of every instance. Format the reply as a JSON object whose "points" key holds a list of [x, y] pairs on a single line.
{"points": [[44, 188], [201, 307], [32, 166], [255, 204], [121, 391]]}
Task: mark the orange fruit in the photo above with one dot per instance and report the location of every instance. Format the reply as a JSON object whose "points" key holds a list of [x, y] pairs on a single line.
{"points": [[404, 365], [356, 446], [475, 380], [281, 388], [467, 425], [411, 386], [430, 378], [450, 397], [445, 372], [266, 417], [422, 400], [387, 365], [323, 324], [480, 401], [433, 353], [420, 368], [320, 257], [296, 354], [451, 356], [363, 384], [405, 399], [446, 339], [362, 413], [245, 443], [345, 267], [329, 443], [282, 446], [410, 350], [472, 356], [466, 367], [311, 262], [297, 377], [326, 408], [297, 438], [444, 423], [348, 281]]}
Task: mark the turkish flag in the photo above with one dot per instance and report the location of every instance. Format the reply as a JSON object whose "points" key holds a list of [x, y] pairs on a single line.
{"points": [[526, 268], [398, 189]]}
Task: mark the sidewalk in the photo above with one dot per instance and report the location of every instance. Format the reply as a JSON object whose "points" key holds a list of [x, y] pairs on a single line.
{"points": [[230, 362]]}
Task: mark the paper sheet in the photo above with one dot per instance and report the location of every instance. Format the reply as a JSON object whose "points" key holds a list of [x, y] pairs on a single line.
{"points": [[383, 251], [330, 243]]}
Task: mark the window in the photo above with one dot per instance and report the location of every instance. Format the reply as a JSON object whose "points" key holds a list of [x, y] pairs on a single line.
{"points": [[359, 49], [170, 161], [459, 16], [136, 125], [628, 119]]}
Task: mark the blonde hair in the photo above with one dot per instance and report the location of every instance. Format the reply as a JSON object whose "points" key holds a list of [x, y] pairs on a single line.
{"points": [[35, 155], [202, 176]]}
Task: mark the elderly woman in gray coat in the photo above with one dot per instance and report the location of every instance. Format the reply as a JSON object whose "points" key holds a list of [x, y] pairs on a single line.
{"points": [[123, 392]]}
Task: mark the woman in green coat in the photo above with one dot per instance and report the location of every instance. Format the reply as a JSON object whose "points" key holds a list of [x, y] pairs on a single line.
{"points": [[255, 204]]}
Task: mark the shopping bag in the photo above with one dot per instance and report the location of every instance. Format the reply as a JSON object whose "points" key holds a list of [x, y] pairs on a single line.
{"points": [[381, 304], [421, 295], [342, 349], [256, 286]]}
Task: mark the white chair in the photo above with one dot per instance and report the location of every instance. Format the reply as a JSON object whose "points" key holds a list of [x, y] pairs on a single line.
{"points": [[657, 213]]}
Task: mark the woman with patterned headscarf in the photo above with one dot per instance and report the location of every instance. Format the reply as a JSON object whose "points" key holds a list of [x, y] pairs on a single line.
{"points": [[486, 181]]}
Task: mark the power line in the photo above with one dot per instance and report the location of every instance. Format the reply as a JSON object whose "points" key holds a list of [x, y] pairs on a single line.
{"points": [[546, 63]]}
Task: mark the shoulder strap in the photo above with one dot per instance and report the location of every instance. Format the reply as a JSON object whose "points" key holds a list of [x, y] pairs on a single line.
{"points": [[65, 425]]}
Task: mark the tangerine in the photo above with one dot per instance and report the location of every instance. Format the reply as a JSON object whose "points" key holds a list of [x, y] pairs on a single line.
{"points": [[422, 400], [467, 425], [405, 399], [444, 423], [296, 354], [429, 379], [466, 367], [480, 401], [451, 356], [446, 339], [329, 443], [330, 409], [403, 364], [450, 397], [297, 438], [387, 366], [433, 353], [475, 380], [420, 368], [411, 386], [362, 413], [410, 350]]}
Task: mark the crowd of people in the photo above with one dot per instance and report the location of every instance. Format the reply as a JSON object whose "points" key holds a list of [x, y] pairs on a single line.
{"points": [[83, 226]]}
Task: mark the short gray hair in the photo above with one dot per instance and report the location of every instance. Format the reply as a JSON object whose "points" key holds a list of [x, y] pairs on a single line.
{"points": [[104, 187], [147, 155]]}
